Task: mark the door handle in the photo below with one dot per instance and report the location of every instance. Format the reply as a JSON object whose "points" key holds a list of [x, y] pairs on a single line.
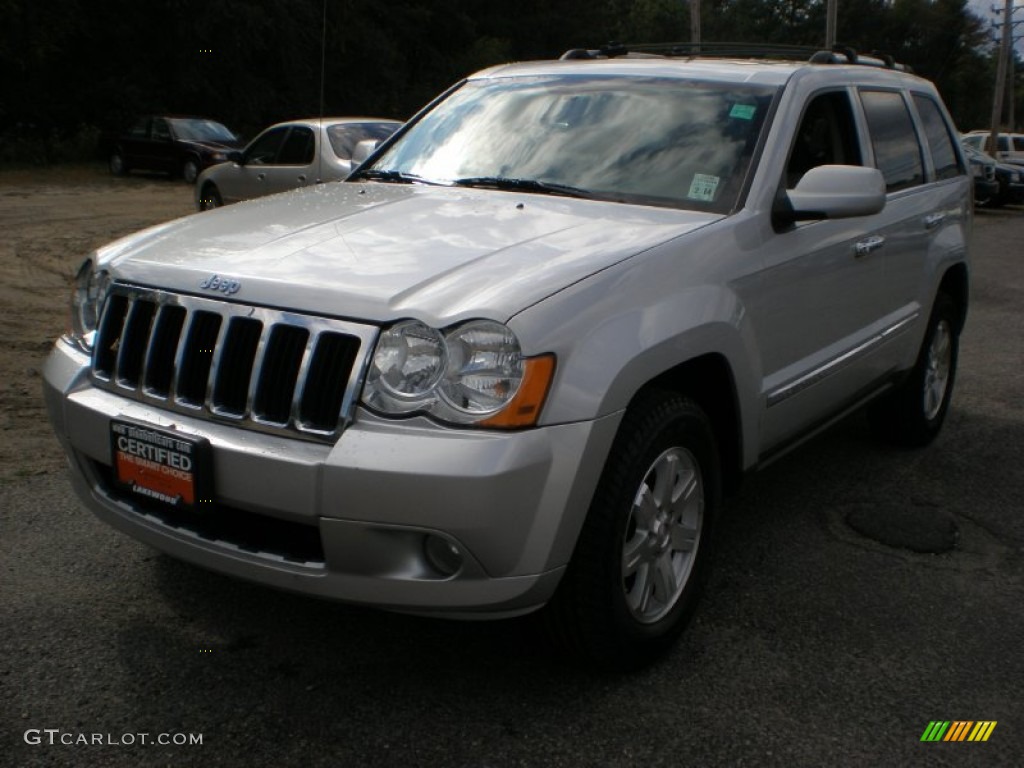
{"points": [[868, 245], [261, 176], [932, 220], [302, 178]]}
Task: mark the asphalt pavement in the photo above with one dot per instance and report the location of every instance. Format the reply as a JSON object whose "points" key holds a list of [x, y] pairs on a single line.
{"points": [[824, 638]]}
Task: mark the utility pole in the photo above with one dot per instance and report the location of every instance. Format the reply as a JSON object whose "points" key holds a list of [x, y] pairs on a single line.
{"points": [[695, 25], [830, 24], [1004, 75]]}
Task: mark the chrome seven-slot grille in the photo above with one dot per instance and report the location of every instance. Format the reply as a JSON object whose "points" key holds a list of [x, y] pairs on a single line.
{"points": [[263, 369]]}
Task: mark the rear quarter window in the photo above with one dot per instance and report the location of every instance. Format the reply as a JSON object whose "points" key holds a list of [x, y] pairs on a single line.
{"points": [[940, 138]]}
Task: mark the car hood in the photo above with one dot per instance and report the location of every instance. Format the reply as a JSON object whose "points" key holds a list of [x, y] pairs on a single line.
{"points": [[211, 146], [381, 252]]}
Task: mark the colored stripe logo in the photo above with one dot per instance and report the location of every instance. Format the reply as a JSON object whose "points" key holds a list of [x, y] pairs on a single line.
{"points": [[958, 730]]}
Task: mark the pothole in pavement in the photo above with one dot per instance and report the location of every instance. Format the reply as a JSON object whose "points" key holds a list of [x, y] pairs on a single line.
{"points": [[917, 530], [921, 528]]}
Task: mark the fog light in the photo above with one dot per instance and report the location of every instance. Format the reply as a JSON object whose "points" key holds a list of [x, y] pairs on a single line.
{"points": [[444, 556]]}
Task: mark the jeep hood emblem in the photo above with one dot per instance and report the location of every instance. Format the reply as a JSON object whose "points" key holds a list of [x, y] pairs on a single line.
{"points": [[222, 284]]}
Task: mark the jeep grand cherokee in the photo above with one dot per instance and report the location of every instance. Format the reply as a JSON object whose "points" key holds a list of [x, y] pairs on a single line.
{"points": [[514, 362]]}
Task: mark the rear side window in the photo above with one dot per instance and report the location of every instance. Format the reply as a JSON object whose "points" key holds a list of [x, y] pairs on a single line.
{"points": [[1018, 143], [897, 152], [161, 130], [940, 143], [141, 129]]}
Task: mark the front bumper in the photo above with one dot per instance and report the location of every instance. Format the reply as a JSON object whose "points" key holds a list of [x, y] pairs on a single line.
{"points": [[1012, 193], [349, 521], [985, 189]]}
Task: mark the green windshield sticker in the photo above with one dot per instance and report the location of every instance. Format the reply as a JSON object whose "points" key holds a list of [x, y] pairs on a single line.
{"points": [[743, 111], [703, 187]]}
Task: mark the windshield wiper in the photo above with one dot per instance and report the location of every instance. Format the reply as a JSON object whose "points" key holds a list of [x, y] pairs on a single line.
{"points": [[523, 185], [393, 177]]}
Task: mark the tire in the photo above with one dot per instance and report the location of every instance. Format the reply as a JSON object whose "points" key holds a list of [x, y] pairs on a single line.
{"points": [[644, 550], [210, 198], [190, 170], [911, 415], [117, 164]]}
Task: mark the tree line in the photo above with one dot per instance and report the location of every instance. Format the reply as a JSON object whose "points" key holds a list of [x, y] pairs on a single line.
{"points": [[74, 68]]}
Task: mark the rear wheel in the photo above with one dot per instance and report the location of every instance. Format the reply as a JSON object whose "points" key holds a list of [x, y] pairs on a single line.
{"points": [[912, 414], [644, 549]]}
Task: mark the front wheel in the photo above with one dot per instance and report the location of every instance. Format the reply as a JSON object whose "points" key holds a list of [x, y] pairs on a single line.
{"points": [[644, 550], [912, 414], [210, 198], [117, 164], [190, 170]]}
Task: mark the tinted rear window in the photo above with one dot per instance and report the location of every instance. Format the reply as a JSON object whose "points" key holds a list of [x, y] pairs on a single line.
{"points": [[897, 152]]}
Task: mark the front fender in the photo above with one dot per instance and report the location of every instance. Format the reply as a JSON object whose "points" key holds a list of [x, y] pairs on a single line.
{"points": [[620, 329]]}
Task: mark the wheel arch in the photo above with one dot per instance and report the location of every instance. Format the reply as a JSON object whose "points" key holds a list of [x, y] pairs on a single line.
{"points": [[955, 283], [708, 380]]}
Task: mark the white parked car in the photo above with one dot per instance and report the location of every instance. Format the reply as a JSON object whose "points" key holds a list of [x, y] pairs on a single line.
{"points": [[515, 361], [1010, 146], [290, 155]]}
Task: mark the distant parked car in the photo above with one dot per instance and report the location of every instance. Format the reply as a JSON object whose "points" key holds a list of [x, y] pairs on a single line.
{"points": [[290, 155], [1011, 185], [180, 146], [1004, 182], [1010, 146], [983, 174]]}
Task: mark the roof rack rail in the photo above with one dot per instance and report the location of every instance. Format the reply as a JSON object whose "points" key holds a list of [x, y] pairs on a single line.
{"points": [[838, 55]]}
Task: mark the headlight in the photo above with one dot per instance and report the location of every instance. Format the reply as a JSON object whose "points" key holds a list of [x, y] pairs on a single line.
{"points": [[407, 366], [90, 289], [474, 373]]}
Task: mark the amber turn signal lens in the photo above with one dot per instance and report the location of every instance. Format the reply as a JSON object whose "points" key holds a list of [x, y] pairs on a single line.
{"points": [[525, 407]]}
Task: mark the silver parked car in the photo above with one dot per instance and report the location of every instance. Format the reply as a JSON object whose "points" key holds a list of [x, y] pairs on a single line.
{"points": [[515, 361], [290, 155]]}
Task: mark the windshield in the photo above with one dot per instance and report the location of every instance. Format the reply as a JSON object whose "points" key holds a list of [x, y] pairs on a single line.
{"points": [[201, 130], [344, 137], [655, 141]]}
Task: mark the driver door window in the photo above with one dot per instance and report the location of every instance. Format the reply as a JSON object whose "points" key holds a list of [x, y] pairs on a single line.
{"points": [[826, 136], [264, 150]]}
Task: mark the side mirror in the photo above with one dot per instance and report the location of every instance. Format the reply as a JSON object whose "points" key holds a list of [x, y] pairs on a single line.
{"points": [[832, 192], [236, 156], [362, 151]]}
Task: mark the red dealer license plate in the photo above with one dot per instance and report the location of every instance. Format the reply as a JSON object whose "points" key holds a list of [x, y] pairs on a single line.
{"points": [[159, 465]]}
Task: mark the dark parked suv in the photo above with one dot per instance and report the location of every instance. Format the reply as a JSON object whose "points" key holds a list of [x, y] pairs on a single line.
{"points": [[180, 146]]}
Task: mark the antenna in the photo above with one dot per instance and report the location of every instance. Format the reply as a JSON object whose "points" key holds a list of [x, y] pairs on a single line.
{"points": [[320, 113]]}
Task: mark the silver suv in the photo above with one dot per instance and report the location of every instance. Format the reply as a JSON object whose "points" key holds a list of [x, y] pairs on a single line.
{"points": [[517, 359]]}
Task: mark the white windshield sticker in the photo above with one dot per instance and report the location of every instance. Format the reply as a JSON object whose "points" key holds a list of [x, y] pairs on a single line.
{"points": [[703, 187]]}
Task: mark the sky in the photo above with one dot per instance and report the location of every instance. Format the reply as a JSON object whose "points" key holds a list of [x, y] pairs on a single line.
{"points": [[984, 9]]}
